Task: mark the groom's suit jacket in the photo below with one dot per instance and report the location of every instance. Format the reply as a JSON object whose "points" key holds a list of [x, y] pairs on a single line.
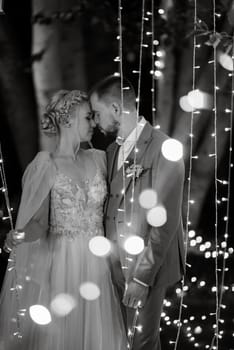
{"points": [[162, 260]]}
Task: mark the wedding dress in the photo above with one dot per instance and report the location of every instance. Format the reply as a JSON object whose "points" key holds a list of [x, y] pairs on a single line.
{"points": [[60, 263]]}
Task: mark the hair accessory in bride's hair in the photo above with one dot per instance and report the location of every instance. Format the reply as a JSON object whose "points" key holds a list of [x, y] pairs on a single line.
{"points": [[58, 111], [48, 123]]}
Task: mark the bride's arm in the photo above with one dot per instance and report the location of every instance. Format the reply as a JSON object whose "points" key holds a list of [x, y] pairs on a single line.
{"points": [[36, 228], [38, 225], [33, 211]]}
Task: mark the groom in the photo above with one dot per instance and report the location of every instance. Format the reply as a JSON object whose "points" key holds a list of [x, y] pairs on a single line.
{"points": [[141, 280]]}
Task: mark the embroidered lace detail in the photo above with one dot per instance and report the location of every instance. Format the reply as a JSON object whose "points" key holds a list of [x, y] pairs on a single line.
{"points": [[75, 210]]}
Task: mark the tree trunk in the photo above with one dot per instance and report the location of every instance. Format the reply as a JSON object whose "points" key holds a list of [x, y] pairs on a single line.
{"points": [[18, 102], [60, 63]]}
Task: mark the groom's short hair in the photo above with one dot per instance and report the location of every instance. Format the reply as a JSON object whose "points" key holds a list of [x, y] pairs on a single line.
{"points": [[110, 87]]}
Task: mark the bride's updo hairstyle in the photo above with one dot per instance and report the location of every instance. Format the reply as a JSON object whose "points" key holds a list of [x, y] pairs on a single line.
{"points": [[59, 110]]}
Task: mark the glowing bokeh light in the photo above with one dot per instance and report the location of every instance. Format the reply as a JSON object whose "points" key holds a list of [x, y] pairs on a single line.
{"points": [[224, 244], [89, 291], [207, 244], [159, 64], [214, 254], [198, 239], [191, 233], [193, 243], [157, 216], [160, 53], [63, 304], [161, 11], [40, 314], [99, 246], [202, 247], [184, 104], [158, 74], [172, 150], [148, 199], [134, 245], [225, 60], [200, 99]]}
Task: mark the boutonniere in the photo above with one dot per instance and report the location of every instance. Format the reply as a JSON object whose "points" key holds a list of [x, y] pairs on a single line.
{"points": [[133, 169]]}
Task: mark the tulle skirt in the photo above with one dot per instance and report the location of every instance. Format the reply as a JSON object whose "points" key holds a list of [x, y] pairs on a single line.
{"points": [[53, 273]]}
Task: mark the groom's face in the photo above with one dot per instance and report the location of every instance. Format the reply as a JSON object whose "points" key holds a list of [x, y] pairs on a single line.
{"points": [[104, 116]]}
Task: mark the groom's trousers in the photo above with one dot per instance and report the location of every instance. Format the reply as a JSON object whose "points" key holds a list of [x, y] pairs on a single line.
{"points": [[148, 338]]}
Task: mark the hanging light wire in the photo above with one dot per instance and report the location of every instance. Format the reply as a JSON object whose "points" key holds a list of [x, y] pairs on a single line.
{"points": [[179, 324], [120, 8], [13, 254], [222, 282], [216, 335], [133, 328], [138, 99], [152, 63]]}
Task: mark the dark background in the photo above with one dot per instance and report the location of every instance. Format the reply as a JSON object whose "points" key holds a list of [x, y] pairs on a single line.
{"points": [[20, 138]]}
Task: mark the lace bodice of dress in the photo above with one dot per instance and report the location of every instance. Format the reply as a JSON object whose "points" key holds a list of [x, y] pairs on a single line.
{"points": [[75, 210]]}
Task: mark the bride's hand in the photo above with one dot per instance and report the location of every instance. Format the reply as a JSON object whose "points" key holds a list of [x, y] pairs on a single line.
{"points": [[135, 295], [13, 238]]}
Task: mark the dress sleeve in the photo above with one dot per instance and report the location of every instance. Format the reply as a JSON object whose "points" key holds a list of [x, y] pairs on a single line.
{"points": [[37, 182], [37, 226]]}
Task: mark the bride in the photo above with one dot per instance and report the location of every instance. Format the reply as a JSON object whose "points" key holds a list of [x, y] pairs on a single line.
{"points": [[61, 209]]}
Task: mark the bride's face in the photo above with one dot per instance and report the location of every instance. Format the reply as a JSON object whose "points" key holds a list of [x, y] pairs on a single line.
{"points": [[85, 122]]}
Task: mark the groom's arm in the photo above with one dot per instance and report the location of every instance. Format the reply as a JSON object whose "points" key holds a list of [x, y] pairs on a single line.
{"points": [[168, 180]]}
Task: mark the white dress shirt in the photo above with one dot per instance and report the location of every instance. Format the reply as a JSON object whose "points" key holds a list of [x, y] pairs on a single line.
{"points": [[127, 146]]}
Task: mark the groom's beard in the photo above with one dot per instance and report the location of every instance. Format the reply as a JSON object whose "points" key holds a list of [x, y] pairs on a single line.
{"points": [[111, 130]]}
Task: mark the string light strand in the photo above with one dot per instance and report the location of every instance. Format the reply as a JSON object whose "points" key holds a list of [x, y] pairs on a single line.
{"points": [[133, 328], [152, 64], [13, 254], [138, 100], [131, 331], [189, 180], [222, 289], [216, 333]]}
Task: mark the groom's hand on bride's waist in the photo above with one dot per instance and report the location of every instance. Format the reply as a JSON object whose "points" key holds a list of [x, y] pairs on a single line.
{"points": [[135, 295]]}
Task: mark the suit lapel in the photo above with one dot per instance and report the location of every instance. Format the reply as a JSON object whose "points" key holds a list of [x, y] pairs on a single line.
{"points": [[142, 143], [112, 157]]}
